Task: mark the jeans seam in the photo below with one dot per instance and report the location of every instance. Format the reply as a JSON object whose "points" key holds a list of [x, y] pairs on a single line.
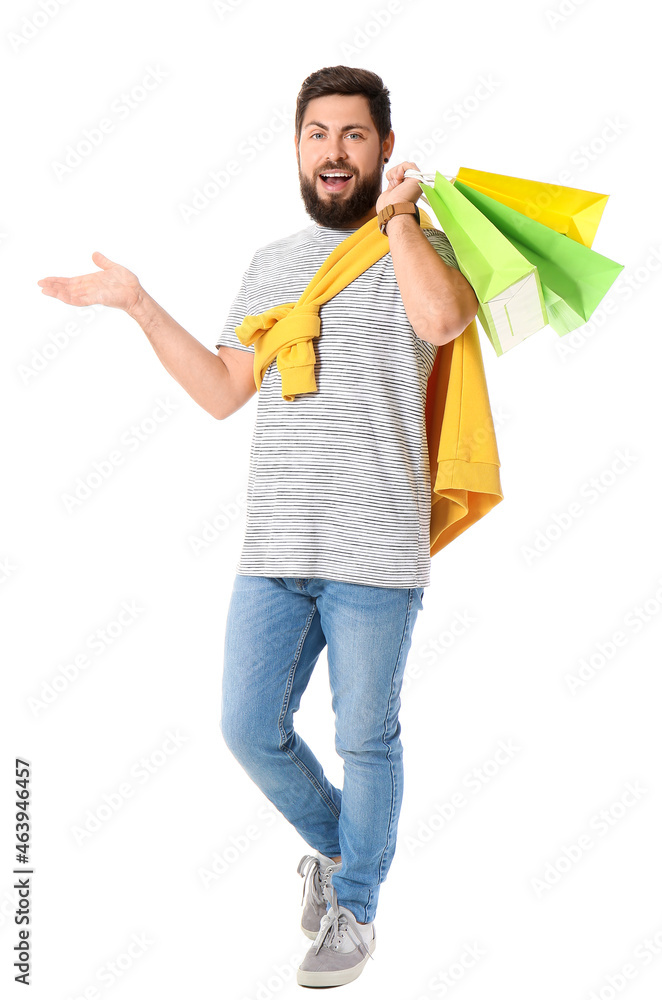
{"points": [[388, 748], [286, 700]]}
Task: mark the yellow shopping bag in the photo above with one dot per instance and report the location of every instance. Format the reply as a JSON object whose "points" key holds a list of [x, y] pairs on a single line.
{"points": [[570, 211]]}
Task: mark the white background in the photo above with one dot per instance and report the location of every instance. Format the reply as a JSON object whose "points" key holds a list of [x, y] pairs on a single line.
{"points": [[574, 87]]}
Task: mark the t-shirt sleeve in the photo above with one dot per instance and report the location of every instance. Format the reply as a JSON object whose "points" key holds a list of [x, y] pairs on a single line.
{"points": [[443, 246], [238, 311]]}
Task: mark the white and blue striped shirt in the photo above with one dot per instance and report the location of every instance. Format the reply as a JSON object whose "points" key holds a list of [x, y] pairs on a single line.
{"points": [[339, 479]]}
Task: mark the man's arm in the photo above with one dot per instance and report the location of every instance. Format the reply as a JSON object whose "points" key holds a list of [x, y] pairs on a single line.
{"points": [[205, 375], [439, 301]]}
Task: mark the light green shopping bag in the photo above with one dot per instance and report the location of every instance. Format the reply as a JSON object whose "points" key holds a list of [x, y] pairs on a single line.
{"points": [[574, 278], [506, 283]]}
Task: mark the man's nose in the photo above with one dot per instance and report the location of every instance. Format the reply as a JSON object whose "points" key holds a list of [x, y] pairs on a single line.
{"points": [[335, 150]]}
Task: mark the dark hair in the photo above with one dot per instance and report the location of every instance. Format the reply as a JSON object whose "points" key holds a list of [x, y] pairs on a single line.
{"points": [[347, 80]]}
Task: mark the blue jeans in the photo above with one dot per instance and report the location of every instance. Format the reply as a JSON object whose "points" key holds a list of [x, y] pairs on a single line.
{"points": [[276, 629]]}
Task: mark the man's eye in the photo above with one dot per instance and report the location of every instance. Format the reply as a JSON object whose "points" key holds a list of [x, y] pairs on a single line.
{"points": [[321, 133]]}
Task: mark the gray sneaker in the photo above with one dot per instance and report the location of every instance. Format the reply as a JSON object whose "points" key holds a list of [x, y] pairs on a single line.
{"points": [[340, 950], [316, 870]]}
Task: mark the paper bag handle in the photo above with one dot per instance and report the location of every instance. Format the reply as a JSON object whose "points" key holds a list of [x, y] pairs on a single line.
{"points": [[427, 179]]}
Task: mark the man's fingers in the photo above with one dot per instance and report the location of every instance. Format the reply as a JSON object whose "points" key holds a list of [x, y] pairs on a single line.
{"points": [[74, 291], [102, 261], [57, 291]]}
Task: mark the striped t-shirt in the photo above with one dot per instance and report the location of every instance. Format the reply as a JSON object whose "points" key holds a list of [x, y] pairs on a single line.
{"points": [[339, 479]]}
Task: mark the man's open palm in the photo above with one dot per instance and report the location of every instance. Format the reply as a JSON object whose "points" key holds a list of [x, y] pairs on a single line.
{"points": [[113, 286]]}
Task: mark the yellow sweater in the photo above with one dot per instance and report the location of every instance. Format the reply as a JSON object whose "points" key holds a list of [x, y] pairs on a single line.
{"points": [[462, 449]]}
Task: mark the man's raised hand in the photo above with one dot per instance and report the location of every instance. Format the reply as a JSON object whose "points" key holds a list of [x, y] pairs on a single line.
{"points": [[113, 285]]}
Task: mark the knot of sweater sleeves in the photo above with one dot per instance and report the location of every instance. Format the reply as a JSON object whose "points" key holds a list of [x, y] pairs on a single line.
{"points": [[287, 333]]}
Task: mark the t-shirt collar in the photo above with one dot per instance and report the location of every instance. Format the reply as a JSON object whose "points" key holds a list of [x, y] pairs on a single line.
{"points": [[329, 234]]}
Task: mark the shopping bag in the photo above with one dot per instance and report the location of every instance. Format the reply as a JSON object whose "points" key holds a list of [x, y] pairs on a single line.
{"points": [[574, 278], [507, 285], [571, 211]]}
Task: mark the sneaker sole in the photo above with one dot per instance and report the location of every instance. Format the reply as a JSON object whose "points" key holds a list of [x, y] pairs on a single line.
{"points": [[337, 978]]}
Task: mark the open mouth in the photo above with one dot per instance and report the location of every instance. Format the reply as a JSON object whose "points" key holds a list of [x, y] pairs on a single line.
{"points": [[335, 181]]}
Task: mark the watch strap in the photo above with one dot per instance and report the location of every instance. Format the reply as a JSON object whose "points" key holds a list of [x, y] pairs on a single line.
{"points": [[400, 208]]}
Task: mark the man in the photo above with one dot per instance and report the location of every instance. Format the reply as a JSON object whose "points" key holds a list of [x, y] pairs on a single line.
{"points": [[336, 549]]}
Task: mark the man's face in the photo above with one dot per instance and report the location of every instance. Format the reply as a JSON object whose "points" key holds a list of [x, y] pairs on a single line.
{"points": [[338, 134]]}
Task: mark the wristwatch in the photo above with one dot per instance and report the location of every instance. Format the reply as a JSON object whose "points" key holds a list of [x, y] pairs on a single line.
{"points": [[401, 208]]}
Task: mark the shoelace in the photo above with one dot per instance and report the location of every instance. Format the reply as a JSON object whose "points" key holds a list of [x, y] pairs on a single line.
{"points": [[325, 878], [309, 869], [332, 926]]}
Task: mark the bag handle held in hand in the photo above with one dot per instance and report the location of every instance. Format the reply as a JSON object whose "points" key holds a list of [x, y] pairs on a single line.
{"points": [[427, 179]]}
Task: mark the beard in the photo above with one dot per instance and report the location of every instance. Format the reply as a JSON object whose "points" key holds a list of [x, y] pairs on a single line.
{"points": [[337, 210]]}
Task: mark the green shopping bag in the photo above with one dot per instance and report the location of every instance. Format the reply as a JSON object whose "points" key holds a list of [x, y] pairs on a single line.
{"points": [[574, 278], [506, 283]]}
